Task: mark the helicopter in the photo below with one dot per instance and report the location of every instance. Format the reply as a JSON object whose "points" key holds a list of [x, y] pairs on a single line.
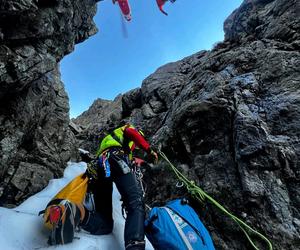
{"points": [[126, 10]]}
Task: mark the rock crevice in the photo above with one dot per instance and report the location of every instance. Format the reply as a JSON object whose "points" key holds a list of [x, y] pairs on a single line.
{"points": [[35, 139], [229, 119]]}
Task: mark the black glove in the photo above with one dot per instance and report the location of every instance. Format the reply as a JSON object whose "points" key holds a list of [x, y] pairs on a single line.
{"points": [[86, 156], [92, 170], [152, 156]]}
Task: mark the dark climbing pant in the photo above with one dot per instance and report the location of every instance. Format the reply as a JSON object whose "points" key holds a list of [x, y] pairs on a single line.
{"points": [[101, 221]]}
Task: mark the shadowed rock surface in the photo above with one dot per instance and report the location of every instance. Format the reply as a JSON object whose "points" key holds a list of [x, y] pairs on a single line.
{"points": [[230, 119], [35, 139]]}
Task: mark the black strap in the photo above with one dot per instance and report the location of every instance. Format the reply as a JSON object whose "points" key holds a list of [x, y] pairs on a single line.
{"points": [[115, 137], [42, 212]]}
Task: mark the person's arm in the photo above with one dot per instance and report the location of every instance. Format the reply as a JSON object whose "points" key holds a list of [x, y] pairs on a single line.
{"points": [[133, 135], [141, 142]]}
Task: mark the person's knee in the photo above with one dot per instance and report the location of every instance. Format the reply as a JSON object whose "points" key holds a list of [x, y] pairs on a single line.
{"points": [[134, 200], [96, 224], [135, 205], [103, 229]]}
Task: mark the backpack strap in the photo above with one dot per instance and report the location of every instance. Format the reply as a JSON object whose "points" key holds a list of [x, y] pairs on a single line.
{"points": [[115, 137], [185, 240], [192, 226]]}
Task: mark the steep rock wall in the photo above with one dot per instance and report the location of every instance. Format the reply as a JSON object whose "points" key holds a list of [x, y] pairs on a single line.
{"points": [[230, 119], [35, 139]]}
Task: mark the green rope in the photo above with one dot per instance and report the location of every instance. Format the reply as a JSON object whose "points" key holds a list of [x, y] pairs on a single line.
{"points": [[200, 195]]}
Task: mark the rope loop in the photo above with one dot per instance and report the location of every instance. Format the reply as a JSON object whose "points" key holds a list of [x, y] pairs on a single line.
{"points": [[201, 196]]}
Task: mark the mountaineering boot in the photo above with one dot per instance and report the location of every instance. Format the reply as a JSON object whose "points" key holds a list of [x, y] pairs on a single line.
{"points": [[62, 219], [135, 245]]}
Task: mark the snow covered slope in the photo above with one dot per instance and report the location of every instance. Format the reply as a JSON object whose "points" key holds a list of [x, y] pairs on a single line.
{"points": [[22, 228]]}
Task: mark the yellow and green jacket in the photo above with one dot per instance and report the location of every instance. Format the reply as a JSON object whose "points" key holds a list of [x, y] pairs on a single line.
{"points": [[126, 137]]}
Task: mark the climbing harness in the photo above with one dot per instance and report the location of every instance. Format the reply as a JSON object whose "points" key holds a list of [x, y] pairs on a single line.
{"points": [[179, 184], [103, 162], [201, 196], [136, 170], [139, 177], [92, 170]]}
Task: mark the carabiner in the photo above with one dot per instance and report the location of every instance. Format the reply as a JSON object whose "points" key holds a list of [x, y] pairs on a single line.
{"points": [[179, 185]]}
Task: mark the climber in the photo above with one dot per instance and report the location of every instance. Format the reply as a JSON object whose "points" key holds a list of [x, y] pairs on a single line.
{"points": [[113, 165], [125, 8], [160, 4]]}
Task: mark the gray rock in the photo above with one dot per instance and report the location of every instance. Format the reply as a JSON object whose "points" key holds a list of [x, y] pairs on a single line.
{"points": [[230, 120], [131, 100], [257, 19], [103, 115], [35, 138]]}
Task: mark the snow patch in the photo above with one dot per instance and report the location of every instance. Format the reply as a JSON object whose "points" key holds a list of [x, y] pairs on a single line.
{"points": [[22, 228]]}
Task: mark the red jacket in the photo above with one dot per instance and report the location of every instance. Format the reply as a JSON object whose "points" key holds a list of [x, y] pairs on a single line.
{"points": [[160, 4], [133, 135]]}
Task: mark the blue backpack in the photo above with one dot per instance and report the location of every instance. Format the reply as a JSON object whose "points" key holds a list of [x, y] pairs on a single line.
{"points": [[176, 226]]}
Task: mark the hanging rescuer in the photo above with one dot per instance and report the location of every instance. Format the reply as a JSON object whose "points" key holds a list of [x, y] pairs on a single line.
{"points": [[125, 8], [160, 4]]}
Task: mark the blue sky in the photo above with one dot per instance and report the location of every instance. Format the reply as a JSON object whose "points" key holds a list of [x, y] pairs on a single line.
{"points": [[109, 63]]}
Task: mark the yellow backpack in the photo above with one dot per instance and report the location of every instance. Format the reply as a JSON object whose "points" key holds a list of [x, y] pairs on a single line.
{"points": [[74, 192]]}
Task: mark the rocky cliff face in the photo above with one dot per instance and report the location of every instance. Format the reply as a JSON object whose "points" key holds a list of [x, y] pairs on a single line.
{"points": [[97, 120], [35, 139], [230, 119]]}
